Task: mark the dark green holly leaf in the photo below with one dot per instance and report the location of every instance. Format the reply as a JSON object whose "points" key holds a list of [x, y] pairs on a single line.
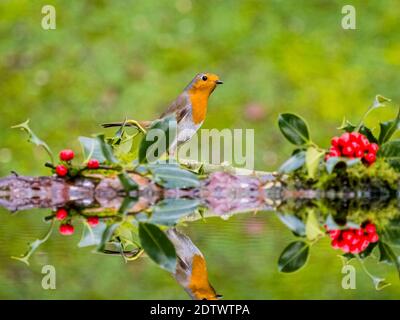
{"points": [[294, 128], [388, 256], [368, 133], [293, 257], [106, 236], [157, 246], [347, 126], [293, 163], [388, 128], [391, 232], [390, 151], [157, 139], [106, 149]]}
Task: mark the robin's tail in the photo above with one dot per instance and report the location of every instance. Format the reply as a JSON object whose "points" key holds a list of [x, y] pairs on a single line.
{"points": [[129, 123]]}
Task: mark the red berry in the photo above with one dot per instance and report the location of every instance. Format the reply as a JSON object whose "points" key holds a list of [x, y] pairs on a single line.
{"points": [[355, 249], [348, 236], [93, 221], [67, 155], [370, 228], [364, 244], [348, 151], [370, 157], [93, 164], [359, 153], [373, 148], [335, 244], [66, 229], [373, 237], [359, 232], [334, 153], [364, 143], [61, 170], [334, 234], [355, 136], [345, 247], [335, 141], [344, 139], [61, 214]]}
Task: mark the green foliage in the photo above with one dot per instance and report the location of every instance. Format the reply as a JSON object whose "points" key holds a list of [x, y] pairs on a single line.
{"points": [[294, 129], [293, 257], [157, 245]]}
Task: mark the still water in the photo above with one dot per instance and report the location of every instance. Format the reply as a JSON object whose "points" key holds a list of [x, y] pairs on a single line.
{"points": [[241, 252]]}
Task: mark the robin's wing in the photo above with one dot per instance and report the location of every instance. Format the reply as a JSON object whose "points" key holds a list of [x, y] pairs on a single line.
{"points": [[179, 108]]}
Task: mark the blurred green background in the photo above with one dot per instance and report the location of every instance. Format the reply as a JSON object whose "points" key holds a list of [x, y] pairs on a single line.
{"points": [[108, 59]]}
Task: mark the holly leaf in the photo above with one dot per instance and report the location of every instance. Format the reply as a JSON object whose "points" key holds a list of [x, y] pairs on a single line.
{"points": [[293, 257], [157, 246], [390, 151], [313, 158], [388, 128], [294, 128], [313, 230]]}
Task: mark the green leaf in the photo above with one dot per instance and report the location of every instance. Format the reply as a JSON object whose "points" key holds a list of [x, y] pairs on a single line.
{"points": [[92, 236], [347, 126], [368, 133], [380, 101], [296, 225], [293, 128], [106, 149], [388, 256], [391, 232], [313, 158], [106, 236], [169, 211], [388, 128], [157, 245], [313, 230], [332, 163], [33, 138], [91, 149], [293, 257], [157, 139], [33, 246], [380, 283], [390, 151], [172, 176], [295, 162]]}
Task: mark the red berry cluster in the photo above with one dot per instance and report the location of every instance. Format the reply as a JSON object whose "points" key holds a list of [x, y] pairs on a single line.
{"points": [[353, 145], [354, 240], [68, 155], [66, 228]]}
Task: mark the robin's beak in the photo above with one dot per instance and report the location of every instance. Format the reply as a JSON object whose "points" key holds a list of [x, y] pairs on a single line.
{"points": [[219, 82]]}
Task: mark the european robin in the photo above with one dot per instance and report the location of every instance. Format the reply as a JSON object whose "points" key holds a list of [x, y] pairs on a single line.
{"points": [[189, 109], [191, 269]]}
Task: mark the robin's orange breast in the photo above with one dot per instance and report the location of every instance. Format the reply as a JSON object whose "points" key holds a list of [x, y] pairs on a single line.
{"points": [[198, 100]]}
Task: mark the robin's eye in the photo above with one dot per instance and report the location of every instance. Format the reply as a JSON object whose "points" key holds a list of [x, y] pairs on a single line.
{"points": [[204, 78]]}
